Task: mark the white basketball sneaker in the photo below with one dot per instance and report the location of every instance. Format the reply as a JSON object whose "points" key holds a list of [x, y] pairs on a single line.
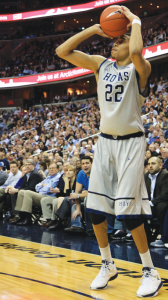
{"points": [[107, 273], [151, 283]]}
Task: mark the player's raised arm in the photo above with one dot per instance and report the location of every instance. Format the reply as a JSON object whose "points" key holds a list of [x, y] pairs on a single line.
{"points": [[142, 66], [67, 49]]}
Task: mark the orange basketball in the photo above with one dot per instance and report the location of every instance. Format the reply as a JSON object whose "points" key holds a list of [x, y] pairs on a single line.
{"points": [[113, 22]]}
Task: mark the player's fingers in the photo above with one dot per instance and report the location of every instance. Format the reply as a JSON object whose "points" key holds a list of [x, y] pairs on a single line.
{"points": [[124, 8], [107, 36], [129, 25]]}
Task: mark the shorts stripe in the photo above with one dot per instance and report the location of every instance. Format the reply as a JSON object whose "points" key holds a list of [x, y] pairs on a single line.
{"points": [[133, 217], [110, 197], [98, 212], [118, 217]]}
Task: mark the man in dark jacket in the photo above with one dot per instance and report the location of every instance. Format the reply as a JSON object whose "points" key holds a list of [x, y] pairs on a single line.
{"points": [[30, 179], [156, 180]]}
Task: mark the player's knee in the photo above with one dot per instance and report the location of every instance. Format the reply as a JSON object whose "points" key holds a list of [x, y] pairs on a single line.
{"points": [[97, 219], [131, 224]]}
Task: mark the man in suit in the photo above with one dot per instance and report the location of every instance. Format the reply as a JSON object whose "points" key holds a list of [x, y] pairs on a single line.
{"points": [[156, 180], [31, 179], [43, 189], [165, 157]]}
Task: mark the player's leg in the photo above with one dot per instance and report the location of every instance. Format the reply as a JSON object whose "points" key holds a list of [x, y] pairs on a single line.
{"points": [[151, 281], [108, 270], [133, 205], [100, 201]]}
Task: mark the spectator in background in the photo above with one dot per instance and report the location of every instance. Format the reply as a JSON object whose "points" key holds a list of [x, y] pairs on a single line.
{"points": [[12, 179], [43, 169], [164, 154], [155, 137], [152, 148], [82, 182], [64, 211], [4, 160], [156, 180], [31, 178], [3, 174], [28, 199]]}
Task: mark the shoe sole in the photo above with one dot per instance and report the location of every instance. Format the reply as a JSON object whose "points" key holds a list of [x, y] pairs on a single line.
{"points": [[153, 294], [104, 287], [157, 246], [128, 241]]}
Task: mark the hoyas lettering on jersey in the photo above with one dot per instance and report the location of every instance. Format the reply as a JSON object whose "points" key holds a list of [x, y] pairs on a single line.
{"points": [[120, 77]]}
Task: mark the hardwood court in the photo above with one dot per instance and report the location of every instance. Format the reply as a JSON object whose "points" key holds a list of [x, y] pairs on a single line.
{"points": [[32, 271]]}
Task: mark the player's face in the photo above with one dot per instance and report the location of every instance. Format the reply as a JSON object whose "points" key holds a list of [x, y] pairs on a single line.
{"points": [[120, 50]]}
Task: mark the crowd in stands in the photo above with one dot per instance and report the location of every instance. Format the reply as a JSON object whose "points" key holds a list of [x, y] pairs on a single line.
{"points": [[41, 57], [45, 28], [156, 30], [46, 155]]}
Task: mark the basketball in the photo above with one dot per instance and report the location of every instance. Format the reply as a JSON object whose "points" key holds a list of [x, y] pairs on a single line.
{"points": [[113, 22]]}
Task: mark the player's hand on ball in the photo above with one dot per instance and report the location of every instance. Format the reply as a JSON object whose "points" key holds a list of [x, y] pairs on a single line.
{"points": [[129, 15], [99, 31]]}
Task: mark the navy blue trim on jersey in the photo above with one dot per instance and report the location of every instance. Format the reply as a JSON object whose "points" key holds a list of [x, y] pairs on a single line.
{"points": [[119, 217], [102, 195], [115, 65], [98, 212], [102, 63], [114, 199], [146, 92], [142, 216]]}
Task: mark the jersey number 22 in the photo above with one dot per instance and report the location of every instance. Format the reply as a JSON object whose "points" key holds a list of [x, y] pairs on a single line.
{"points": [[119, 90]]}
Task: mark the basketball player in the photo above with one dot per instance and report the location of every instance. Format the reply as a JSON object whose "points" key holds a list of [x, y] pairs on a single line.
{"points": [[117, 182]]}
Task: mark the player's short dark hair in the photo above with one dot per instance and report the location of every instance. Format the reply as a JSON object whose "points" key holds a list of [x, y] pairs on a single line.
{"points": [[87, 157]]}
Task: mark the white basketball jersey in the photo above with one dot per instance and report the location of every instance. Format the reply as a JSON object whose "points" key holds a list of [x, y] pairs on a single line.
{"points": [[119, 99]]}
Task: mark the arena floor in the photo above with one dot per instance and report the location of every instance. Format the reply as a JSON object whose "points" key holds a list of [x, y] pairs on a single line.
{"points": [[36, 264]]}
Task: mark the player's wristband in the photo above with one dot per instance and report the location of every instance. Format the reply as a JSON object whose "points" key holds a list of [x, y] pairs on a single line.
{"points": [[136, 21]]}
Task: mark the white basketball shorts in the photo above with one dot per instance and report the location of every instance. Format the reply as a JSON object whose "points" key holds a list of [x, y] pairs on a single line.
{"points": [[117, 185]]}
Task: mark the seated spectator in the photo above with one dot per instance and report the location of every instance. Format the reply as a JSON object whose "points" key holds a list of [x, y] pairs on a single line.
{"points": [[82, 182], [3, 174], [156, 180], [54, 219], [13, 192], [26, 200], [78, 166], [60, 165], [155, 137], [148, 154], [152, 148], [4, 160], [13, 178], [43, 169], [164, 154]]}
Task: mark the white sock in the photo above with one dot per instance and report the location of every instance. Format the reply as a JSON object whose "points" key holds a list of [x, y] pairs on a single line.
{"points": [[146, 260], [106, 253]]}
